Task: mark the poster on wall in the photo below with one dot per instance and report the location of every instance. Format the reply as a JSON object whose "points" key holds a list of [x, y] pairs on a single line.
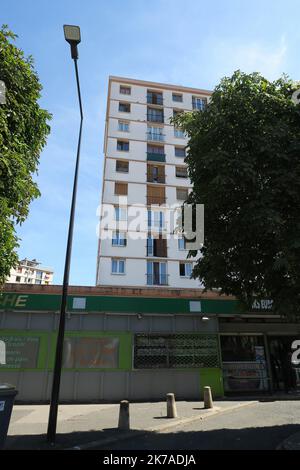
{"points": [[21, 352], [244, 376], [89, 353]]}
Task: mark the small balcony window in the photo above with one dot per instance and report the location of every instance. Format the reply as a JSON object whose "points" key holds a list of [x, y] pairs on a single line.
{"points": [[122, 167], [125, 90], [185, 269], [180, 152], [123, 126], [179, 133], [121, 189], [123, 145], [155, 134], [181, 172], [182, 194], [157, 274], [177, 97], [124, 107], [199, 103], [155, 115], [117, 266], [155, 98], [119, 238], [120, 214], [181, 244]]}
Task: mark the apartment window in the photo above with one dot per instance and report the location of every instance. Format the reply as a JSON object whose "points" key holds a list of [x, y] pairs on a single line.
{"points": [[185, 269], [181, 244], [18, 278], [182, 194], [124, 107], [125, 90], [156, 195], [155, 133], [38, 281], [181, 172], [123, 145], [39, 274], [177, 97], [19, 270], [157, 247], [120, 214], [175, 351], [176, 112], [119, 238], [199, 103], [154, 97], [156, 220], [157, 273], [179, 133], [179, 151], [117, 266], [155, 174], [121, 189], [122, 167], [123, 126], [155, 115]]}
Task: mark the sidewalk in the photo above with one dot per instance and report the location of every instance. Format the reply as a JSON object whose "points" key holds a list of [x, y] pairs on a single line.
{"points": [[88, 426]]}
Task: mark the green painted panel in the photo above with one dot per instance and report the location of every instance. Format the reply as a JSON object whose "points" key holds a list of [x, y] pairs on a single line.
{"points": [[25, 346], [213, 378], [125, 348], [51, 302]]}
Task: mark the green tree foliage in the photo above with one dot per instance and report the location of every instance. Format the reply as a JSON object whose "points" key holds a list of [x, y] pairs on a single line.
{"points": [[244, 163], [23, 133]]}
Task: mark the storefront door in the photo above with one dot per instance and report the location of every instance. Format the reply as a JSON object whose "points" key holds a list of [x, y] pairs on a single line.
{"points": [[285, 375]]}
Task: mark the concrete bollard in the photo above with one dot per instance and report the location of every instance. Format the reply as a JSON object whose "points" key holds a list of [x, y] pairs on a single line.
{"points": [[124, 415], [208, 401], [171, 406]]}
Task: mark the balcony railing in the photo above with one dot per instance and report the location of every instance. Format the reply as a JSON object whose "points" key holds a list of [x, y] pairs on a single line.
{"points": [[157, 279], [156, 157], [151, 117], [156, 179], [154, 99], [155, 137], [156, 200]]}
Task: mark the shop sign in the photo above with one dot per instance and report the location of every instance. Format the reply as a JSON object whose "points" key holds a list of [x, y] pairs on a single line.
{"points": [[263, 304]]}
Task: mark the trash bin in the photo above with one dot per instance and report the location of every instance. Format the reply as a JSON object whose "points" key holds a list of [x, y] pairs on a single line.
{"points": [[7, 398]]}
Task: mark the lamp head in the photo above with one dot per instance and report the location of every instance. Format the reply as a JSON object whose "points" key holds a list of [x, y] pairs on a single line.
{"points": [[73, 37]]}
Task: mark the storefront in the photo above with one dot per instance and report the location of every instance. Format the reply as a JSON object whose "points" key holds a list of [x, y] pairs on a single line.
{"points": [[256, 354]]}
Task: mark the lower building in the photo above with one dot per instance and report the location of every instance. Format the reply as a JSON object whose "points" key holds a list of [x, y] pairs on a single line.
{"points": [[139, 344], [30, 272]]}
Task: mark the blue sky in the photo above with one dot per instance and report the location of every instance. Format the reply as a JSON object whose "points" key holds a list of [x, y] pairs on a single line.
{"points": [[191, 42]]}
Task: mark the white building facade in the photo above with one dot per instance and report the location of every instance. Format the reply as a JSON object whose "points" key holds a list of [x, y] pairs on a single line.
{"points": [[144, 175], [31, 272]]}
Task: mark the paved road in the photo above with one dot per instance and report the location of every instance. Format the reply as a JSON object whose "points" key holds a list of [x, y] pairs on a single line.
{"points": [[262, 425]]}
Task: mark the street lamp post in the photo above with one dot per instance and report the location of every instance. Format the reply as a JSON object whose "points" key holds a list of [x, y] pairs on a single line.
{"points": [[72, 36]]}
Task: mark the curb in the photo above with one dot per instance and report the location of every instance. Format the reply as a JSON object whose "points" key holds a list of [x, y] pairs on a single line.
{"points": [[160, 428]]}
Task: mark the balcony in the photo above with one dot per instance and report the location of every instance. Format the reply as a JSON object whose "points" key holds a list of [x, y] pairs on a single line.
{"points": [[156, 179], [156, 157], [157, 279], [157, 200], [155, 98], [155, 137], [153, 116]]}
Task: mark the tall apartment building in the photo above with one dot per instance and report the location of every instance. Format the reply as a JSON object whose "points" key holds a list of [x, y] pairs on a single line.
{"points": [[31, 272], [144, 166]]}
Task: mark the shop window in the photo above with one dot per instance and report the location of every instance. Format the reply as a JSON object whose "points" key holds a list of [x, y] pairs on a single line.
{"points": [[171, 351], [91, 353]]}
